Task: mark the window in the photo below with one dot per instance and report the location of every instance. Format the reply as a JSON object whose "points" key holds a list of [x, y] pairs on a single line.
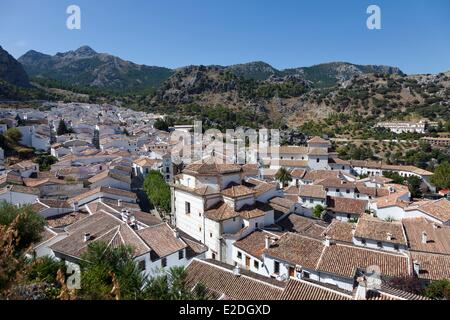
{"points": [[363, 241], [396, 247], [349, 216], [187, 208], [141, 265], [348, 191], [318, 160], [311, 201], [239, 255], [256, 225], [167, 170], [338, 190], [210, 234], [199, 214], [276, 267], [180, 254], [305, 275], [234, 219], [164, 262], [256, 264], [379, 244], [213, 256]]}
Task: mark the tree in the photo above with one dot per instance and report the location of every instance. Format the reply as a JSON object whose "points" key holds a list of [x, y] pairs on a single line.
{"points": [[172, 285], [318, 211], [162, 125], [14, 135], [29, 225], [157, 190], [45, 162], [283, 176], [441, 177], [414, 184], [110, 273], [395, 176], [438, 290], [62, 128]]}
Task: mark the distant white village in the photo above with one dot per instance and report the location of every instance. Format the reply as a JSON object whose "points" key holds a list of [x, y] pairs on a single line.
{"points": [[326, 232]]}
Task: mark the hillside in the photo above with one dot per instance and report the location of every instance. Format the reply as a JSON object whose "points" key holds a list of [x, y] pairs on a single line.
{"points": [[12, 71], [85, 67]]}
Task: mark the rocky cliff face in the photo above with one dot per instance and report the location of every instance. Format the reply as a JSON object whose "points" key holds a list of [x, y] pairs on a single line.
{"points": [[12, 71]]}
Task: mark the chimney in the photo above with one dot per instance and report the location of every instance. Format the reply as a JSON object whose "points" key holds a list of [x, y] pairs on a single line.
{"points": [[361, 290], [424, 237], [124, 215], [87, 237], [435, 226], [327, 241], [416, 265], [389, 236], [176, 234], [119, 202], [237, 271], [267, 242], [75, 206]]}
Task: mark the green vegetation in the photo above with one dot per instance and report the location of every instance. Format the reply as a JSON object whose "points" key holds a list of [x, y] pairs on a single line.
{"points": [[62, 128], [14, 135], [318, 211], [28, 224], [441, 177], [45, 162], [438, 290], [283, 176], [158, 191]]}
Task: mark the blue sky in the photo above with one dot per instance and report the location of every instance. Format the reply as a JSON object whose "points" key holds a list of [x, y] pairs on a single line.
{"points": [[415, 34]]}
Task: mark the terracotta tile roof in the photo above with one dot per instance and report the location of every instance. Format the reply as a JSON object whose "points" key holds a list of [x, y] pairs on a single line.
{"points": [[438, 236], [335, 183], [237, 191], [55, 203], [291, 163], [212, 168], [336, 160], [298, 173], [346, 205], [370, 191], [284, 202], [110, 174], [20, 189], [318, 140], [340, 231], [113, 191], [291, 190], [432, 266], [254, 243], [344, 260], [162, 239], [103, 227], [376, 229], [312, 191], [289, 150], [297, 249], [221, 212], [320, 175], [303, 225], [317, 152], [219, 277], [66, 220], [303, 290], [147, 162], [439, 209]]}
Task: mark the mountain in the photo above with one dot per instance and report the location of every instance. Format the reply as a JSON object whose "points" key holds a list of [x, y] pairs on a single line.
{"points": [[321, 75], [12, 71], [85, 67]]}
